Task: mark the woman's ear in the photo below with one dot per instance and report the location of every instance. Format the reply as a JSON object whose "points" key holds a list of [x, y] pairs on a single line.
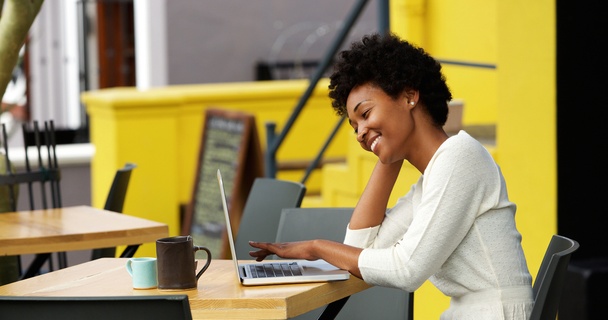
{"points": [[411, 97]]}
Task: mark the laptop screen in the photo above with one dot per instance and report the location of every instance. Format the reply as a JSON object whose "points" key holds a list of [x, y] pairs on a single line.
{"points": [[228, 224]]}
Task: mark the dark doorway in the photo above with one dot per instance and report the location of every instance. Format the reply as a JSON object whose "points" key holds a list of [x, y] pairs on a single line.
{"points": [[116, 43]]}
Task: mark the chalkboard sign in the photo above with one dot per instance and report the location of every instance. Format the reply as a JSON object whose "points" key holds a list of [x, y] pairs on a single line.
{"points": [[229, 143]]}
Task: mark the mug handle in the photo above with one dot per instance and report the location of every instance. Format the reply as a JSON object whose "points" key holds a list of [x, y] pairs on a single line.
{"points": [[129, 268], [197, 248]]}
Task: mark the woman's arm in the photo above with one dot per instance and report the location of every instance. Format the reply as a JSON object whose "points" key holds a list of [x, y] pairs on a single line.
{"points": [[338, 254], [372, 204], [369, 212]]}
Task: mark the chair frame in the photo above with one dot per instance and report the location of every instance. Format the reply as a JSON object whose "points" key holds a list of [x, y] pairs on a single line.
{"points": [[47, 175], [115, 203], [550, 279], [115, 307]]}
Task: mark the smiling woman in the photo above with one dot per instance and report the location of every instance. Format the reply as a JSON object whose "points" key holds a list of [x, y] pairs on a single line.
{"points": [[456, 225]]}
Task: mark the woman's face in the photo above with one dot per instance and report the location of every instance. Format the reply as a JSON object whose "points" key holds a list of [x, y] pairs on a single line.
{"points": [[382, 124]]}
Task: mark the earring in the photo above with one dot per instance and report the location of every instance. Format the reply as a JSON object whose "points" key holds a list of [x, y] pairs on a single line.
{"points": [[412, 102]]}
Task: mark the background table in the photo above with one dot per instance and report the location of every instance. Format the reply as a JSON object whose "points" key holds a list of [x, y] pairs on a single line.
{"points": [[219, 294], [73, 228]]}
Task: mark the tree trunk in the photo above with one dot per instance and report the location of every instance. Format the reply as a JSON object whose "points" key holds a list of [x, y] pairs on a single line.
{"points": [[17, 18]]}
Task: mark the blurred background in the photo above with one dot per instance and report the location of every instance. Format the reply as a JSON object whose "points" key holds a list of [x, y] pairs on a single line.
{"points": [[531, 77], [79, 45]]}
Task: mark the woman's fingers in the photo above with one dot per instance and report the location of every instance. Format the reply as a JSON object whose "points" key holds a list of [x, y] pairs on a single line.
{"points": [[260, 254]]}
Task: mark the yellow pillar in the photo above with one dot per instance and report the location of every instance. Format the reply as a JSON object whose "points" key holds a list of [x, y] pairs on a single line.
{"points": [[129, 126], [407, 18], [526, 132]]}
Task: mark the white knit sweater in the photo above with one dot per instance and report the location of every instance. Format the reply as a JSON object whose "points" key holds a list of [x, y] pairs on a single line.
{"points": [[456, 227]]}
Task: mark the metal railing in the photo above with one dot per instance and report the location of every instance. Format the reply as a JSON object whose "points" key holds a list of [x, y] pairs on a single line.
{"points": [[274, 141]]}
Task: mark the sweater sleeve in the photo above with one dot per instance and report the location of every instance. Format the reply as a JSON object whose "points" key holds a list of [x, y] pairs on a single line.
{"points": [[361, 238], [458, 184]]}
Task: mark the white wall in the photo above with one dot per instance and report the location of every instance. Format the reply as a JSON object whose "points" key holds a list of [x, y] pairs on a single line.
{"points": [[53, 49], [221, 40]]}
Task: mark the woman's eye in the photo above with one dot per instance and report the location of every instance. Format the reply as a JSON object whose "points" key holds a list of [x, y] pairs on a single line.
{"points": [[365, 114]]}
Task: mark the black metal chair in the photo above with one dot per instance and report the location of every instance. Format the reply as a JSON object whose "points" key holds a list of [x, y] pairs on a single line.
{"points": [[163, 307], [551, 276], [41, 181], [115, 202]]}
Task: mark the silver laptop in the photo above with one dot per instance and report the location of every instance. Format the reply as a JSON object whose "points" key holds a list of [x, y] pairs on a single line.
{"points": [[278, 271]]}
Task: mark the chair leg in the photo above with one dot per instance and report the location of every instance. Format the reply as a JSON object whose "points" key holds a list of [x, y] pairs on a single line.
{"points": [[62, 259], [410, 309], [109, 252], [34, 268], [129, 251]]}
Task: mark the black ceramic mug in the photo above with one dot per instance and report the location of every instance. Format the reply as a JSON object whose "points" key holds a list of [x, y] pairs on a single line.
{"points": [[176, 263]]}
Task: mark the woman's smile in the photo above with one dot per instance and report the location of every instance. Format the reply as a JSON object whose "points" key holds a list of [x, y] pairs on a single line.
{"points": [[374, 144]]}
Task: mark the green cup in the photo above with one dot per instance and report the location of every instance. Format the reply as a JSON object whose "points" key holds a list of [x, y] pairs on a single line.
{"points": [[143, 272]]}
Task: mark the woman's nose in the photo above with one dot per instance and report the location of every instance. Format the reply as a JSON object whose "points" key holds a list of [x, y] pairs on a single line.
{"points": [[361, 134]]}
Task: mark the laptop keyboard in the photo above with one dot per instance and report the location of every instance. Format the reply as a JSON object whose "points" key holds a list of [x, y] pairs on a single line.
{"points": [[277, 269]]}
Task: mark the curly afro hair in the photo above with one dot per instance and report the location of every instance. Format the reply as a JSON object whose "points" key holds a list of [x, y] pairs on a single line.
{"points": [[393, 65]]}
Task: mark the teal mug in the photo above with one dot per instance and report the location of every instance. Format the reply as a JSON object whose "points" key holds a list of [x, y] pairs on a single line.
{"points": [[143, 271]]}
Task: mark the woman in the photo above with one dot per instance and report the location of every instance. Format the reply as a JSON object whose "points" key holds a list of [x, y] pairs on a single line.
{"points": [[456, 225]]}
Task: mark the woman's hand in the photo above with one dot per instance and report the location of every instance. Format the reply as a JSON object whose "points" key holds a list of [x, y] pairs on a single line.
{"points": [[286, 250], [336, 253]]}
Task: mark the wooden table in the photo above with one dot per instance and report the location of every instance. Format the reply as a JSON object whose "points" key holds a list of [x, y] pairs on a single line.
{"points": [[219, 294], [73, 228]]}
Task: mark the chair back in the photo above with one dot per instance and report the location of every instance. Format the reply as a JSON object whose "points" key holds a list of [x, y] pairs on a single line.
{"points": [[262, 211], [118, 190], [41, 176], [176, 307], [298, 224], [115, 202], [39, 180], [551, 276]]}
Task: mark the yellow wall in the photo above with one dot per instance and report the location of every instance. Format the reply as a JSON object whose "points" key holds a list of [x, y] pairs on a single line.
{"points": [[527, 119], [464, 31]]}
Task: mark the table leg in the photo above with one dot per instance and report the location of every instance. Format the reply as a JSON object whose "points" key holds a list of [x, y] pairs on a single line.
{"points": [[332, 309]]}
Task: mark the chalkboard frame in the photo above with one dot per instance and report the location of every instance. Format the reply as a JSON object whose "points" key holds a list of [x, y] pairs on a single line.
{"points": [[248, 165]]}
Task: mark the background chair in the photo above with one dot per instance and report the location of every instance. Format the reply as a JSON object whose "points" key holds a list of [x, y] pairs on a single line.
{"points": [[40, 181], [551, 276], [330, 223], [115, 202], [176, 307], [262, 211]]}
